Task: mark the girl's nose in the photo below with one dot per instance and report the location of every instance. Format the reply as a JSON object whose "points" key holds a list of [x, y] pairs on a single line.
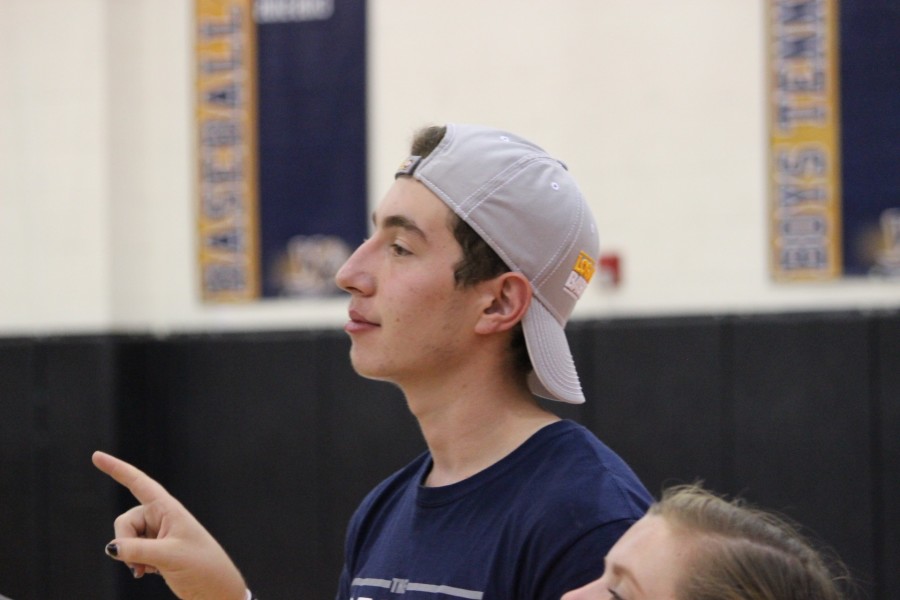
{"points": [[591, 591]]}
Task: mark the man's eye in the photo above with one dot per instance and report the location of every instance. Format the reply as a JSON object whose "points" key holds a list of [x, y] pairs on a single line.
{"points": [[398, 250]]}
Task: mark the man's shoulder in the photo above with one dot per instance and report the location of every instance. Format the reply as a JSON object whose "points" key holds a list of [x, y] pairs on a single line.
{"points": [[578, 473], [570, 443]]}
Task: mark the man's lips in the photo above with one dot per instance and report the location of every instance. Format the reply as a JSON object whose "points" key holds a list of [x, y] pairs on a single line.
{"points": [[358, 323]]}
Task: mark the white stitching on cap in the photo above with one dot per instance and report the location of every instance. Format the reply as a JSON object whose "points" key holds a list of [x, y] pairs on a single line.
{"points": [[491, 186], [566, 244], [558, 368], [457, 208], [500, 180], [483, 192]]}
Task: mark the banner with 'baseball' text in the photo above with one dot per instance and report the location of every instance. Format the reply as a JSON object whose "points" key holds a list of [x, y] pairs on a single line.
{"points": [[281, 111]]}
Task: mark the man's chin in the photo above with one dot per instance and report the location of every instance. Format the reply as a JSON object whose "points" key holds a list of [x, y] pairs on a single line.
{"points": [[364, 368]]}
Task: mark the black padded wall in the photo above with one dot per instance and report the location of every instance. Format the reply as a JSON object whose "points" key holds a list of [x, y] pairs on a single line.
{"points": [[57, 405], [243, 425], [19, 566], [368, 433], [656, 394], [802, 430], [272, 440], [886, 455]]}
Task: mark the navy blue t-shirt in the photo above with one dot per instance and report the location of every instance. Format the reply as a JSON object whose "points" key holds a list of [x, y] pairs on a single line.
{"points": [[532, 526]]}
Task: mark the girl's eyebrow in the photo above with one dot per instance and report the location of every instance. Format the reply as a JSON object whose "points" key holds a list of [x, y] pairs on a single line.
{"points": [[625, 573]]}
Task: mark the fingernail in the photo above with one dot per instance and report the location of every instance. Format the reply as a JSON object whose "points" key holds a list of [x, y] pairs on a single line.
{"points": [[112, 550], [134, 572]]}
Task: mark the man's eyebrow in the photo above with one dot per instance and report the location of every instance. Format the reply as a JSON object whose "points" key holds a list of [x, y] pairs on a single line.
{"points": [[399, 221]]}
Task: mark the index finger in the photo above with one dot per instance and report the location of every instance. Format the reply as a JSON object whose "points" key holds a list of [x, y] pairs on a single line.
{"points": [[141, 485]]}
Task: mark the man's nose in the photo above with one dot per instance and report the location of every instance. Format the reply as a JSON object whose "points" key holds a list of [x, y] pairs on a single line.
{"points": [[353, 275]]}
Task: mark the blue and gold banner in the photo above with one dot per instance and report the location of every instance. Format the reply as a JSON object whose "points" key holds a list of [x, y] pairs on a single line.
{"points": [[804, 139], [226, 115], [282, 135], [870, 146], [834, 139]]}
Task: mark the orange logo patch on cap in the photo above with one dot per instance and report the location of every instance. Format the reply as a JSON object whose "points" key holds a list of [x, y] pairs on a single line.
{"points": [[585, 266], [581, 274]]}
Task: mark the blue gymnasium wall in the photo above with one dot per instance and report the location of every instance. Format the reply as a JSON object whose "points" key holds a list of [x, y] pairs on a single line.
{"points": [[271, 439]]}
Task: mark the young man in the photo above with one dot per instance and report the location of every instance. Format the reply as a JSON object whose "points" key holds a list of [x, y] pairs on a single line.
{"points": [[479, 252], [482, 238]]}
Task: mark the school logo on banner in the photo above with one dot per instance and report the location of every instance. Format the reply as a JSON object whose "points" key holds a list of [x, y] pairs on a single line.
{"points": [[281, 145], [833, 145]]}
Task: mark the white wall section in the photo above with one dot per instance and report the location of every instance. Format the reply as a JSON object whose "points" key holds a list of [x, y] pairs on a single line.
{"points": [[658, 108]]}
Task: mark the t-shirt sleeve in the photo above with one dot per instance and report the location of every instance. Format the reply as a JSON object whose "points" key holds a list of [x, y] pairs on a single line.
{"points": [[581, 562], [343, 592]]}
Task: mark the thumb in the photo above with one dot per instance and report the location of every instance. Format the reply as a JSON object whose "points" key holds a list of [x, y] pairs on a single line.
{"points": [[137, 552]]}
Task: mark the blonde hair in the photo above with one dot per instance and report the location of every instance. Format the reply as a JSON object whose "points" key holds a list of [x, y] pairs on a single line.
{"points": [[740, 553]]}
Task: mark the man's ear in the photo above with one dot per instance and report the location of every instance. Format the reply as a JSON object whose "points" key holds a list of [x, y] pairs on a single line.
{"points": [[508, 297]]}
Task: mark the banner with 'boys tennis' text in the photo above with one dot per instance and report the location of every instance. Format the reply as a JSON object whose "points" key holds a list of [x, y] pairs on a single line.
{"points": [[834, 139]]}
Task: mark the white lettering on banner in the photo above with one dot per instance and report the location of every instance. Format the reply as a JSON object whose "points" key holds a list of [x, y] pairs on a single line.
{"points": [[226, 117], [285, 11], [804, 167]]}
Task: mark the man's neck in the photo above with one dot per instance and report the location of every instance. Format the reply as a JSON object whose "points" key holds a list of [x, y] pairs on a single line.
{"points": [[470, 429]]}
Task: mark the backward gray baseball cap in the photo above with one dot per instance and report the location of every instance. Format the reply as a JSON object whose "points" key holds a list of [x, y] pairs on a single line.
{"points": [[527, 207]]}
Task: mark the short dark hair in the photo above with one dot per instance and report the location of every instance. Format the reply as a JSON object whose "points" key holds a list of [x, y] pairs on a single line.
{"points": [[479, 261]]}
